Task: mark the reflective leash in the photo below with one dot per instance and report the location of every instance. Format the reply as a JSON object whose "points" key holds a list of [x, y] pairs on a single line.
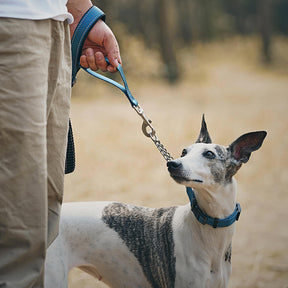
{"points": [[147, 128]]}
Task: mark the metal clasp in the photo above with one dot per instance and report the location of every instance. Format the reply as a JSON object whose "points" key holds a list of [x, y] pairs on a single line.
{"points": [[147, 128]]}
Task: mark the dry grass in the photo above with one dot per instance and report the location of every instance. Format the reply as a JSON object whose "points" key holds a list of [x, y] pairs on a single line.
{"points": [[224, 81]]}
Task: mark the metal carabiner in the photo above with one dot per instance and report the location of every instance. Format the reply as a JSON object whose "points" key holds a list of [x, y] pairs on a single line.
{"points": [[146, 125]]}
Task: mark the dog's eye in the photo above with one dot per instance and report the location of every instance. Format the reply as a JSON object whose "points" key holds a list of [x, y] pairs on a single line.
{"points": [[209, 154], [184, 153]]}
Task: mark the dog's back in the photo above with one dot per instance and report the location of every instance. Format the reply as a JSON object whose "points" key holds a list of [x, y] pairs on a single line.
{"points": [[123, 243]]}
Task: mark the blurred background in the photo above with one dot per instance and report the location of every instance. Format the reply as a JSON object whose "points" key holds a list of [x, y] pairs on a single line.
{"points": [[227, 59]]}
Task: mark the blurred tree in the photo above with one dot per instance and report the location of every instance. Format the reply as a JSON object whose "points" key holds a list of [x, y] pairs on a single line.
{"points": [[154, 21], [167, 37], [166, 25], [204, 8], [187, 22], [243, 14], [265, 25], [281, 16]]}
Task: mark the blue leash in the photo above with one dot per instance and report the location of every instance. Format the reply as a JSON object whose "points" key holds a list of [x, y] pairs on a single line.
{"points": [[124, 89], [77, 41], [79, 36]]}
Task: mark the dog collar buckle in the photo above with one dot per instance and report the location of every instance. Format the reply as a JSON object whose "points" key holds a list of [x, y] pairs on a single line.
{"points": [[216, 221]]}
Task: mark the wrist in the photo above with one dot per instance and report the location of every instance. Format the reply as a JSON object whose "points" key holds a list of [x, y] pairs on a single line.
{"points": [[77, 11]]}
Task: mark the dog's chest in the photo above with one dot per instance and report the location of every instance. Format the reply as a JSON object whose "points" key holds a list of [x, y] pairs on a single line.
{"points": [[148, 235], [202, 260]]}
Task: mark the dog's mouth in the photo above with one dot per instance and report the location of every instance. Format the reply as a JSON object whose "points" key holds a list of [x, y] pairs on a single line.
{"points": [[181, 179], [180, 175], [197, 180]]}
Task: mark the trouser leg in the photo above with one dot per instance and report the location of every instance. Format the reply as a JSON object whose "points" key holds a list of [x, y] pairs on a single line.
{"points": [[26, 106], [58, 108], [23, 169]]}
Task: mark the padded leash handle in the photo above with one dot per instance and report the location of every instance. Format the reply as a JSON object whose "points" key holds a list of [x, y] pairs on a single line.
{"points": [[80, 34]]}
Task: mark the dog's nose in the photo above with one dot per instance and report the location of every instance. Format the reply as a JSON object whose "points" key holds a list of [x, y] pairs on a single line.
{"points": [[175, 164]]}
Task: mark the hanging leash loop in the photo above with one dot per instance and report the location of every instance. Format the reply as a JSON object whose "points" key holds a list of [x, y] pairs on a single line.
{"points": [[83, 28]]}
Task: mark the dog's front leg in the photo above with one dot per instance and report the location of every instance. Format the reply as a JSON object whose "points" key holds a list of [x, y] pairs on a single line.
{"points": [[56, 266]]}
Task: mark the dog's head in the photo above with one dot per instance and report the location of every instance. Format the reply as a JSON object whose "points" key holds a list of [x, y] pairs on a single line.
{"points": [[207, 164]]}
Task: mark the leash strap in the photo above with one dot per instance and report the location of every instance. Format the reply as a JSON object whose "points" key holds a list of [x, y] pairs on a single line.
{"points": [[79, 36], [147, 128], [205, 219], [124, 89], [70, 151], [77, 41]]}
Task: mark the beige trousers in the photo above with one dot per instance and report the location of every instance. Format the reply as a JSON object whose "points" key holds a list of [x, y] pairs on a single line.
{"points": [[35, 80]]}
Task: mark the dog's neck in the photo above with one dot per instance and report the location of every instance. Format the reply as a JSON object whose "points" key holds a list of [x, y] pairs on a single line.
{"points": [[217, 202], [211, 246]]}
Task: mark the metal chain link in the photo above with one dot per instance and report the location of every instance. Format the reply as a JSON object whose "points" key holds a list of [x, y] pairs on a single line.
{"points": [[150, 132], [167, 156]]}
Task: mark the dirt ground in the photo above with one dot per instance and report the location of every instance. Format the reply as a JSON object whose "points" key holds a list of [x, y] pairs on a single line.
{"points": [[116, 162]]}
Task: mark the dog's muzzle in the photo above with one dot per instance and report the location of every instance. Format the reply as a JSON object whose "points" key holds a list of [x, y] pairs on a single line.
{"points": [[174, 165], [175, 169]]}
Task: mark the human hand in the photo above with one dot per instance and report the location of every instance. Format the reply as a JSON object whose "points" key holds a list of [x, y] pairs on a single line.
{"points": [[100, 43]]}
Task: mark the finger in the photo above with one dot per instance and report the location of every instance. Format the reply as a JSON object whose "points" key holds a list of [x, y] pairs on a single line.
{"points": [[111, 69], [113, 54], [91, 59], [83, 61], [100, 61], [114, 62]]}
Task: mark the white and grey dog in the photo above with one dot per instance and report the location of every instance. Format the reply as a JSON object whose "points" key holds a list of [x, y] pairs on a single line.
{"points": [[129, 246]]}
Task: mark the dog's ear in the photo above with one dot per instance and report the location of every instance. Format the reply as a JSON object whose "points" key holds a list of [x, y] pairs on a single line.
{"points": [[204, 136], [242, 148]]}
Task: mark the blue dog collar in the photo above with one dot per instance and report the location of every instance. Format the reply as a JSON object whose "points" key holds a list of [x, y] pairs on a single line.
{"points": [[205, 219]]}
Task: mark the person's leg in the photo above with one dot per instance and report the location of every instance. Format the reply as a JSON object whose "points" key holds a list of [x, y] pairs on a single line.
{"points": [[58, 108], [24, 58]]}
